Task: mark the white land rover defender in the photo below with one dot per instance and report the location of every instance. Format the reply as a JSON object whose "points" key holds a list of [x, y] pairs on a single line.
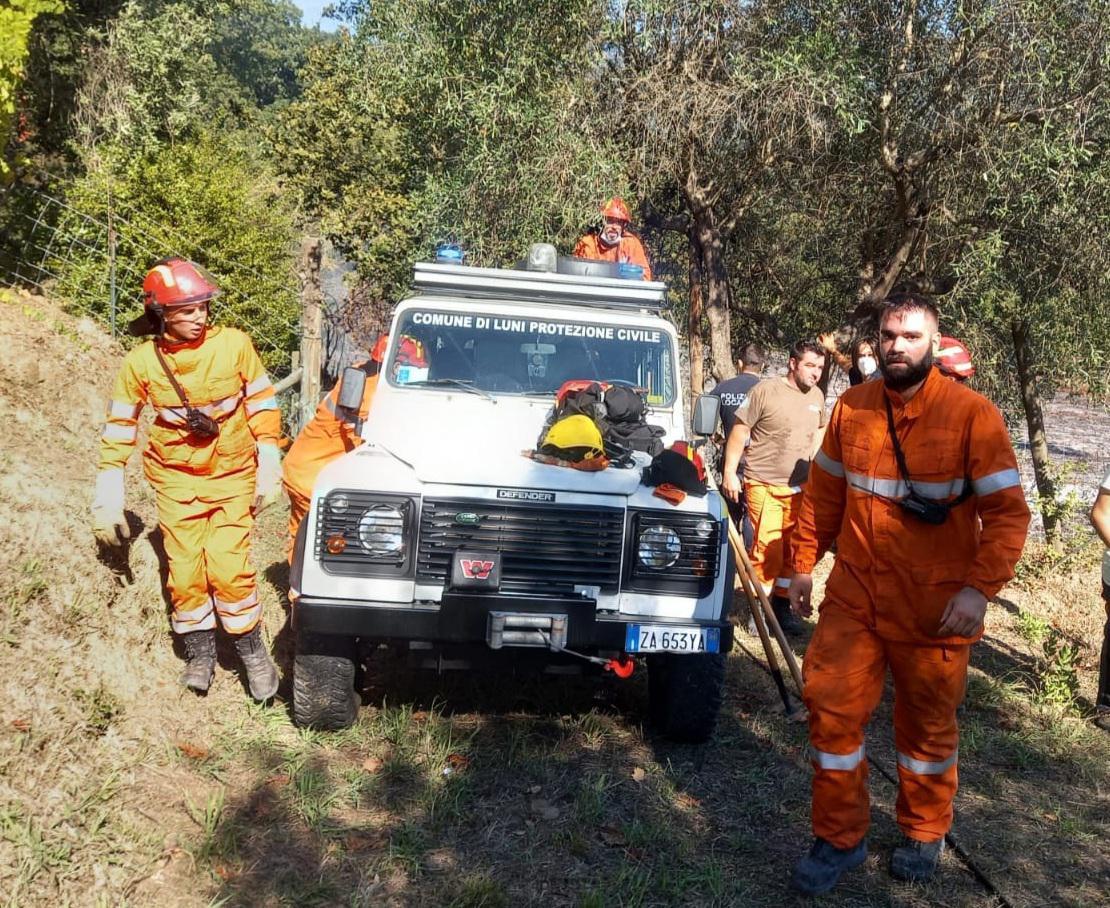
{"points": [[440, 536]]}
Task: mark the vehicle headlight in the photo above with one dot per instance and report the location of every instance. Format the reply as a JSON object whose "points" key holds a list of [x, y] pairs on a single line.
{"points": [[658, 547], [381, 531]]}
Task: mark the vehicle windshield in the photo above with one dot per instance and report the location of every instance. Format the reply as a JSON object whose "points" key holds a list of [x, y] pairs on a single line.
{"points": [[503, 355]]}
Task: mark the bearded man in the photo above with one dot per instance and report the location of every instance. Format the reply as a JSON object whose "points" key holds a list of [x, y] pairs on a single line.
{"points": [[917, 483]]}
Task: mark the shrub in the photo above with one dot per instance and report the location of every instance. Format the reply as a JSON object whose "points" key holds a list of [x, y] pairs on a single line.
{"points": [[207, 200]]}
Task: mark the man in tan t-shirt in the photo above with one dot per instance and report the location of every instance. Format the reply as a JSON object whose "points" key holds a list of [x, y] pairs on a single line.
{"points": [[784, 418]]}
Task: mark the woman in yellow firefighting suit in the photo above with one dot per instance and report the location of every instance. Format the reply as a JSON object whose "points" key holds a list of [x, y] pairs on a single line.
{"points": [[212, 457]]}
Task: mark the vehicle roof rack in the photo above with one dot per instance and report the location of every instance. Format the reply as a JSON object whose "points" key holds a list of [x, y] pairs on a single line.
{"points": [[539, 286]]}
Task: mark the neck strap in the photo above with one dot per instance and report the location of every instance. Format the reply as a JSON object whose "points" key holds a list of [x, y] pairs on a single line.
{"points": [[900, 457], [169, 373]]}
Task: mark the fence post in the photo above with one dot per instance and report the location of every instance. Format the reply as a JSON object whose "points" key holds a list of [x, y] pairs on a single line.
{"points": [[111, 266], [312, 318]]}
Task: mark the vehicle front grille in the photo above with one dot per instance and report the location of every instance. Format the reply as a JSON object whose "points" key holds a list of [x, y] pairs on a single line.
{"points": [[545, 548]]}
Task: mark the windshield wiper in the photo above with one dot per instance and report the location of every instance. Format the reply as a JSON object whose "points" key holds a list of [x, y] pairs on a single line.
{"points": [[459, 383]]}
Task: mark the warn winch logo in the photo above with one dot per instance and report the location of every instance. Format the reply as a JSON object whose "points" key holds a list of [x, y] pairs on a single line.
{"points": [[476, 570]]}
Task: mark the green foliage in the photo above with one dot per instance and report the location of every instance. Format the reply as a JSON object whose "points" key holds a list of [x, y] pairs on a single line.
{"points": [[207, 200], [16, 19], [1056, 682], [170, 70], [440, 119]]}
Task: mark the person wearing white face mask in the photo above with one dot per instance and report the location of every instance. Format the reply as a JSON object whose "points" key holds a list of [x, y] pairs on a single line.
{"points": [[864, 362], [862, 365]]}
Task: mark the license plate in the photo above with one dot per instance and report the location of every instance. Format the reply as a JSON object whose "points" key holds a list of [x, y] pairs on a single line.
{"points": [[667, 638]]}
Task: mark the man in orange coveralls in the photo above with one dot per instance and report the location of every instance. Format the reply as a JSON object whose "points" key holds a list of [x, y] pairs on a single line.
{"points": [[330, 434], [212, 459], [614, 242], [913, 574]]}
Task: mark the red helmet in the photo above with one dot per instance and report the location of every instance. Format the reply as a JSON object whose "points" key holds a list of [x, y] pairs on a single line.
{"points": [[616, 209], [377, 355], [688, 451], [171, 282], [954, 359], [410, 352], [178, 282]]}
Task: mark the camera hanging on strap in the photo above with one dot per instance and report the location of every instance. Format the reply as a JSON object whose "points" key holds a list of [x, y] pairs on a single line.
{"points": [[201, 425], [924, 509]]}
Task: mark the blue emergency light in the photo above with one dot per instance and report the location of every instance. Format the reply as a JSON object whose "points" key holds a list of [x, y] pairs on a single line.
{"points": [[449, 254]]}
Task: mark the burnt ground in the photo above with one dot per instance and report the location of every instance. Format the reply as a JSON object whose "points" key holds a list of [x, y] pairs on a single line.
{"points": [[117, 788]]}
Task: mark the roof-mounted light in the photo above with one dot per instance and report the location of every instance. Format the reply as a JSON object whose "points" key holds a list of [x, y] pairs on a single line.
{"points": [[449, 254]]}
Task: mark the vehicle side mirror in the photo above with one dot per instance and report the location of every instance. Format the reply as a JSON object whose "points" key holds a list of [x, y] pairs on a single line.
{"points": [[351, 387], [706, 410]]}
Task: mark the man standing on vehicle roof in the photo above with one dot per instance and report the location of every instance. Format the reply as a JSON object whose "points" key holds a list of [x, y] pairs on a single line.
{"points": [[917, 483], [733, 393], [614, 242], [783, 418], [330, 433], [212, 460]]}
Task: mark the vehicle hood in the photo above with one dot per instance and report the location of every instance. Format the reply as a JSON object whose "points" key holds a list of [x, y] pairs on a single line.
{"points": [[464, 439]]}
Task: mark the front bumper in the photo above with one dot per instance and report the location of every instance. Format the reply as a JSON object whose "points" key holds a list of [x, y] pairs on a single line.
{"points": [[462, 618]]}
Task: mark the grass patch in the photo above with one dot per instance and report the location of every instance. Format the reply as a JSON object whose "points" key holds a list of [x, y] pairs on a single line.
{"points": [[480, 891]]}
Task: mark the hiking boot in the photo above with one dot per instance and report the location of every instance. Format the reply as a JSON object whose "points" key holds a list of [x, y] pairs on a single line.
{"points": [[821, 869], [262, 675], [914, 861], [200, 655], [790, 623]]}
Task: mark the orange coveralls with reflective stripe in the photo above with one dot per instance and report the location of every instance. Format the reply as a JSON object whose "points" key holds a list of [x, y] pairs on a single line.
{"points": [[329, 434], [204, 488], [629, 249], [893, 578]]}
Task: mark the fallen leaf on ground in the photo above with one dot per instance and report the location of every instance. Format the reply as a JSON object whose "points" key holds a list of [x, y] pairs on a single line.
{"points": [[458, 761], [686, 800], [278, 780], [223, 872], [372, 764], [535, 789], [21, 724], [638, 774], [440, 861], [612, 836], [192, 751]]}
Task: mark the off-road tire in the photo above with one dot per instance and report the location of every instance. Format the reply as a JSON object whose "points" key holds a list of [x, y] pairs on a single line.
{"points": [[324, 694], [684, 695]]}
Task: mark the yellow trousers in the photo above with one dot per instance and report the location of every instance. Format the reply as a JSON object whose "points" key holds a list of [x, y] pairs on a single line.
{"points": [[208, 546], [773, 511]]}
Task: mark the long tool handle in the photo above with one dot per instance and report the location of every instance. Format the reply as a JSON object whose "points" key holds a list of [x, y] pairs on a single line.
{"points": [[744, 564], [764, 637]]}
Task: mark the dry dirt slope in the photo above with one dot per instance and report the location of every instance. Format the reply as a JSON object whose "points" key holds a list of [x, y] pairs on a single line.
{"points": [[90, 802], [117, 788]]}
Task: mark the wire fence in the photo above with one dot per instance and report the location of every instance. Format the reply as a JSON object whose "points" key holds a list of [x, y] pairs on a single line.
{"points": [[96, 265]]}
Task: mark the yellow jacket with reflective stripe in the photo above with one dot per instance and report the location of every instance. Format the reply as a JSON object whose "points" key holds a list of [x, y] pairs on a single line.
{"points": [[893, 571], [222, 375]]}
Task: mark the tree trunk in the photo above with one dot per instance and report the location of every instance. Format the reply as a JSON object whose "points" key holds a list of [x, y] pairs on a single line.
{"points": [[711, 242], [693, 321], [1034, 420]]}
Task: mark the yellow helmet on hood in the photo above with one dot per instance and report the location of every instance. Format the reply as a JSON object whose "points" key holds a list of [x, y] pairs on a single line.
{"points": [[574, 438]]}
